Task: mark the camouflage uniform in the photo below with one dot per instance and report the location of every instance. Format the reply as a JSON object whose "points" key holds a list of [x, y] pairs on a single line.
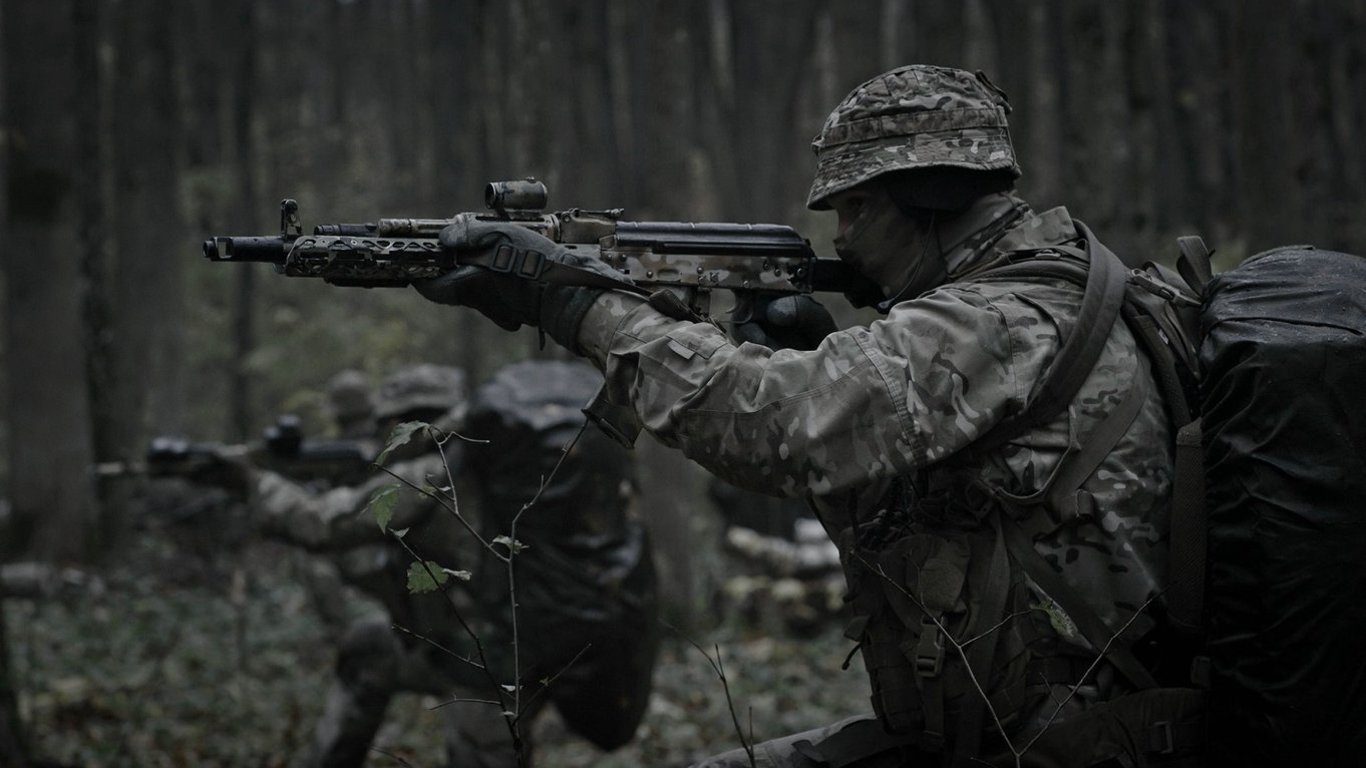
{"points": [[880, 413], [375, 662]]}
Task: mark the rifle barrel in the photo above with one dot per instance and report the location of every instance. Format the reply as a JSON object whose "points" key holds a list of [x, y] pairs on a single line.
{"points": [[272, 249]]}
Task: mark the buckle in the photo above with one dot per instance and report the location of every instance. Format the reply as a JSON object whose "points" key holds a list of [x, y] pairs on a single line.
{"points": [[531, 265], [1161, 741], [929, 650], [503, 258]]}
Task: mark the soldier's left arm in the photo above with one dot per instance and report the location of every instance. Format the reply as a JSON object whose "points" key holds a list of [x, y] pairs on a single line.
{"points": [[339, 518]]}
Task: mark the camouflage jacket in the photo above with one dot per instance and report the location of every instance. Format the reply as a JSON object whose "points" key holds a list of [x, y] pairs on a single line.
{"points": [[907, 396], [338, 523]]}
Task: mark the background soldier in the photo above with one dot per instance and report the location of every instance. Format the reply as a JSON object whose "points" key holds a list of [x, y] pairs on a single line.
{"points": [[933, 445], [351, 403], [603, 564]]}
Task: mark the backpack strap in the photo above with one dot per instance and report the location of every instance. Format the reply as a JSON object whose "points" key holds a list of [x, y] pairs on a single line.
{"points": [[1104, 278], [1188, 534], [1194, 262]]}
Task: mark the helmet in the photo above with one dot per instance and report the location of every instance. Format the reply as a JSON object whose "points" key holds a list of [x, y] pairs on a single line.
{"points": [[424, 387], [913, 117], [348, 395]]}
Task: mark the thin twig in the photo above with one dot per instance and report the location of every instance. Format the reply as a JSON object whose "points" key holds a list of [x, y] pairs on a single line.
{"points": [[458, 700], [392, 756], [549, 681], [960, 647], [511, 714], [449, 504], [719, 668], [438, 646], [1100, 656], [513, 546]]}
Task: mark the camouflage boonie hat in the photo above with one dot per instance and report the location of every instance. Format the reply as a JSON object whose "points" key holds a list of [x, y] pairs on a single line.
{"points": [[915, 116], [421, 387]]}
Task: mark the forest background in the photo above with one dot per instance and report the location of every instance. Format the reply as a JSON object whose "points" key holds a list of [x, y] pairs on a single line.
{"points": [[133, 129]]}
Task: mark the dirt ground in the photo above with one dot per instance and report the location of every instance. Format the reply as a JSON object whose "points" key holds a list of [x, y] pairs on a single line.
{"points": [[170, 659]]}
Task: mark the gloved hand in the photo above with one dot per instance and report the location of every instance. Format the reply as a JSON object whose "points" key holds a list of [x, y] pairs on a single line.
{"points": [[225, 469], [521, 279], [785, 322]]}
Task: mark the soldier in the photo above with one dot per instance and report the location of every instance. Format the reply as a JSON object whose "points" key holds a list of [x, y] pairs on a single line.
{"points": [[418, 643], [1006, 584], [351, 403]]}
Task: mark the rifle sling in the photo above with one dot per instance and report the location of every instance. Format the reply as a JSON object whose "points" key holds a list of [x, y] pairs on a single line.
{"points": [[533, 265]]}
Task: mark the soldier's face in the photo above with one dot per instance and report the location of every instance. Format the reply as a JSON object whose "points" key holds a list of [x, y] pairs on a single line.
{"points": [[847, 205], [885, 244]]}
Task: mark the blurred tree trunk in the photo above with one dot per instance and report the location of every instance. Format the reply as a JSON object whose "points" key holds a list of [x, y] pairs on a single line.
{"points": [[1267, 151], [660, 61], [140, 288], [13, 746], [1346, 69], [49, 447], [101, 325], [241, 412], [1203, 194], [1040, 109], [13, 741]]}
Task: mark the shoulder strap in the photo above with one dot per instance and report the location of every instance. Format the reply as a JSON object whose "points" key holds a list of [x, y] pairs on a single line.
{"points": [[1104, 278], [1194, 262]]}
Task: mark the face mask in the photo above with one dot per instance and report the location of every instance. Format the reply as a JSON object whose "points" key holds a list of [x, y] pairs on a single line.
{"points": [[890, 248]]}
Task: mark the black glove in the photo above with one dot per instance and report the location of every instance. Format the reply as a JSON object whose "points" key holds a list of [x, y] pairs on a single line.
{"points": [[523, 278], [222, 469], [785, 322]]}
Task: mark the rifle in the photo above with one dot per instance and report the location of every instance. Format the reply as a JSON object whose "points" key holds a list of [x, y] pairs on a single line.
{"points": [[283, 450], [690, 260]]}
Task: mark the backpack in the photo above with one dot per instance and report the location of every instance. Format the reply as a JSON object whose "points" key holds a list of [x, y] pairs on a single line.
{"points": [[1261, 367], [586, 584]]}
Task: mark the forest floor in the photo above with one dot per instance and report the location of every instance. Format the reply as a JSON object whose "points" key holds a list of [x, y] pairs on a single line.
{"points": [[172, 660]]}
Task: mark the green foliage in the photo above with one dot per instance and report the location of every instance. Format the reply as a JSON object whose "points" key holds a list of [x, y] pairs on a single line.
{"points": [[426, 576], [382, 504], [399, 437]]}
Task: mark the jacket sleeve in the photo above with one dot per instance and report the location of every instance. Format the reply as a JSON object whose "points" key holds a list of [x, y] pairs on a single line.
{"points": [[340, 518], [869, 403]]}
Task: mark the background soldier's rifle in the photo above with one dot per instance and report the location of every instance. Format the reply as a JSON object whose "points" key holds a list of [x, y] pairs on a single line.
{"points": [[283, 449], [690, 259]]}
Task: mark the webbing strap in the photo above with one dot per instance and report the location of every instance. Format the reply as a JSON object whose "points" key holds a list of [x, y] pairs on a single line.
{"points": [[1105, 280], [1194, 262], [1064, 489], [1088, 623], [534, 265], [982, 652], [1186, 586]]}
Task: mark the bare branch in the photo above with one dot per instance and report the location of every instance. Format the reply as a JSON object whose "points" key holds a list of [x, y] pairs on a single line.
{"points": [[719, 668]]}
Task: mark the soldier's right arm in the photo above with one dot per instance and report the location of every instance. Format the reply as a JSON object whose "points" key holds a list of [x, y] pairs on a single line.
{"points": [[339, 518]]}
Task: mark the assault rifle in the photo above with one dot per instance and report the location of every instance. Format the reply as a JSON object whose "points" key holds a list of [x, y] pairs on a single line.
{"points": [[283, 450], [691, 260]]}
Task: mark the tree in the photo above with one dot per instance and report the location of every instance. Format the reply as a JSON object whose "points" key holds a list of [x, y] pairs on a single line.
{"points": [[46, 409]]}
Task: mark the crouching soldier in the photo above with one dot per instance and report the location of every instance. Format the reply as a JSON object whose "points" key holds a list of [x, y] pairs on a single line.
{"points": [[584, 580]]}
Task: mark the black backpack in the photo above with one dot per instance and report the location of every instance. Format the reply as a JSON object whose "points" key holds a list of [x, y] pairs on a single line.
{"points": [[1264, 372]]}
